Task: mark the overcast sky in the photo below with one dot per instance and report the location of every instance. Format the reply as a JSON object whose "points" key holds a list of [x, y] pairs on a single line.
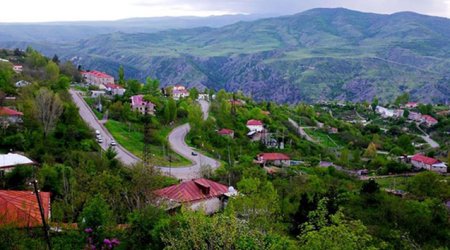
{"points": [[74, 10]]}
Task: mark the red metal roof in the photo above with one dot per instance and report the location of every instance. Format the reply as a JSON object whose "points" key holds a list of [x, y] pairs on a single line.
{"points": [[21, 209], [97, 74], [4, 111], [255, 123], [273, 157], [225, 131], [429, 119], [193, 190], [113, 86], [424, 159]]}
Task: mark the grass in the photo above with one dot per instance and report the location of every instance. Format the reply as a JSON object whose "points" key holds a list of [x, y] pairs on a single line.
{"points": [[132, 139], [399, 183], [323, 138], [90, 101]]}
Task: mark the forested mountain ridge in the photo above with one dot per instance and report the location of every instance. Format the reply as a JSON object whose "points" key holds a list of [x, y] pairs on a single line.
{"points": [[320, 54]]}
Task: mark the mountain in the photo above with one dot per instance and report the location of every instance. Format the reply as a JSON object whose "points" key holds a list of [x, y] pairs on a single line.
{"points": [[62, 32], [320, 54]]}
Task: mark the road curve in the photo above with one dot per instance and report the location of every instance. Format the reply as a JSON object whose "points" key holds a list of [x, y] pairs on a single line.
{"points": [[176, 142], [301, 131], [89, 117]]}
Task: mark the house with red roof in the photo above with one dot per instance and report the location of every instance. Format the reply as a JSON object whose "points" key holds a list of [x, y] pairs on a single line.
{"points": [[226, 132], [423, 162], [429, 121], [140, 105], [273, 159], [17, 68], [255, 125], [10, 115], [114, 89], [411, 105], [21, 208], [97, 78], [197, 194], [179, 91]]}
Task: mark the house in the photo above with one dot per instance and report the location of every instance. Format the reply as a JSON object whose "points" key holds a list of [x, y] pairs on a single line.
{"points": [[333, 130], [9, 161], [10, 115], [415, 116], [273, 159], [114, 89], [21, 209], [444, 113], [398, 113], [237, 102], [140, 105], [384, 112], [226, 132], [97, 93], [429, 120], [423, 162], [22, 83], [197, 194], [17, 68], [179, 91], [203, 97], [97, 78], [411, 105], [255, 125]]}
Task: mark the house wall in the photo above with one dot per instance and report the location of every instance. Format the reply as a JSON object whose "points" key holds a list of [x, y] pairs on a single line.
{"points": [[440, 168], [210, 206], [257, 128], [420, 165]]}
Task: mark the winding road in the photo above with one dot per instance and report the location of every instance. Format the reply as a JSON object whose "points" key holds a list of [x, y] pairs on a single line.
{"points": [[301, 131], [176, 142]]}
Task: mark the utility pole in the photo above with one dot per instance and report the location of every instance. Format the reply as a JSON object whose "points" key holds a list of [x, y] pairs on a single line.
{"points": [[41, 210]]}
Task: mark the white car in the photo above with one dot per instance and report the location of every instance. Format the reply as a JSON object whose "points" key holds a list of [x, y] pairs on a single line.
{"points": [[113, 143], [100, 140], [97, 132]]}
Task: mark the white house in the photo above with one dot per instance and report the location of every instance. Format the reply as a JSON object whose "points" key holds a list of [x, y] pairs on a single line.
{"points": [[22, 83], [96, 77], [9, 161], [415, 116], [423, 162], [255, 125], [10, 115], [97, 93], [17, 68], [115, 89], [179, 91], [384, 112]]}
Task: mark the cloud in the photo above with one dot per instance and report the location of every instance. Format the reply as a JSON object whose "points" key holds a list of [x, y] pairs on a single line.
{"points": [[432, 7]]}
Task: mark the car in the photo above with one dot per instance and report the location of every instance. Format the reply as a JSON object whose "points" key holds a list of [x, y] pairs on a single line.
{"points": [[97, 132], [100, 140], [194, 154], [98, 137], [113, 143]]}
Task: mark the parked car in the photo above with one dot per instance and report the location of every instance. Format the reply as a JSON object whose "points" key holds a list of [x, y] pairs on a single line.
{"points": [[100, 140], [113, 143], [194, 154], [97, 132]]}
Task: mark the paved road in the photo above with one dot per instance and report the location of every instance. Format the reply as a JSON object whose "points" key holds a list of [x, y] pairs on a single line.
{"points": [[178, 144], [427, 138], [89, 117], [301, 131]]}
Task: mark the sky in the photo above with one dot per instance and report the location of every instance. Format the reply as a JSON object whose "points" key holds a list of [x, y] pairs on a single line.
{"points": [[84, 10]]}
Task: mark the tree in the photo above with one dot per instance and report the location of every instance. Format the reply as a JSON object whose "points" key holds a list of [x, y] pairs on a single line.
{"points": [[121, 76], [404, 142], [425, 109], [402, 99], [374, 103], [371, 151], [133, 87], [51, 72], [55, 59], [97, 216], [152, 87], [193, 93], [6, 77], [405, 113], [49, 108], [146, 228], [341, 234], [344, 157], [370, 187]]}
